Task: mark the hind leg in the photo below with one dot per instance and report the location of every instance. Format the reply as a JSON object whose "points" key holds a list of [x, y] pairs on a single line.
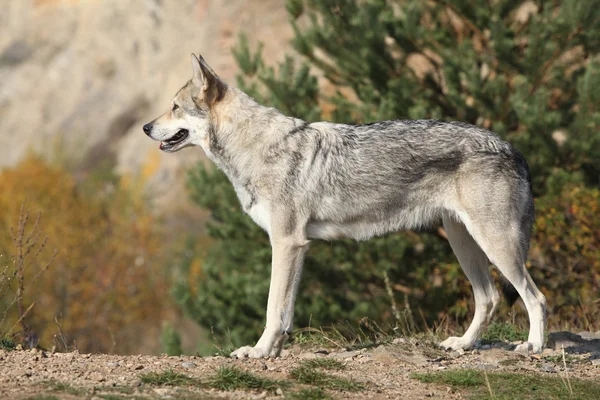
{"points": [[506, 245], [475, 264]]}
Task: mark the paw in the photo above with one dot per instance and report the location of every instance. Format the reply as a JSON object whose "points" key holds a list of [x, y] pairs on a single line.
{"points": [[528, 348], [250, 352], [278, 346], [455, 343], [276, 351]]}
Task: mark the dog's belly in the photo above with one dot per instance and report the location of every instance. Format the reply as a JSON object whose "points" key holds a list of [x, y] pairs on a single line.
{"points": [[332, 230], [354, 230], [366, 228]]}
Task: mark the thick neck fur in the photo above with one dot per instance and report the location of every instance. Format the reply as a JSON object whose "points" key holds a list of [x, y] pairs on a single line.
{"points": [[241, 130]]}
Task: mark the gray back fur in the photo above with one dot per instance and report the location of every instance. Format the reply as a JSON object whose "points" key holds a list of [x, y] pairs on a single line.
{"points": [[365, 180]]}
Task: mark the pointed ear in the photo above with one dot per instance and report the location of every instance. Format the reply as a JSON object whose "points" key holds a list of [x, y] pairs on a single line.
{"points": [[206, 69], [205, 78], [197, 78]]}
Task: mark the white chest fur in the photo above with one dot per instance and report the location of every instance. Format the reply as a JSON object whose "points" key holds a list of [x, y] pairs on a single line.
{"points": [[259, 212], [257, 209]]}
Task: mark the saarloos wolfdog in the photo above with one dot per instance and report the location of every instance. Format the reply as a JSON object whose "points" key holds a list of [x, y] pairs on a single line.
{"points": [[302, 181]]}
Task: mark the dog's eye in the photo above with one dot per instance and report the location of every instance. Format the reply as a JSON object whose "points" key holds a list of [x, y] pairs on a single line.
{"points": [[175, 107]]}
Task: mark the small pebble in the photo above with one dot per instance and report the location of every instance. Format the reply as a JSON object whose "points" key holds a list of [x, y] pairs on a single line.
{"points": [[548, 368], [344, 354], [486, 367], [188, 364], [164, 393]]}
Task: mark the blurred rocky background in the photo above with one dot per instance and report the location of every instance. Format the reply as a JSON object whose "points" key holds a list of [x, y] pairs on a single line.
{"points": [[109, 245], [79, 78]]}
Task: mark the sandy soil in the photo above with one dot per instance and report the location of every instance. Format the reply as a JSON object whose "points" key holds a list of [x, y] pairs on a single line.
{"points": [[385, 371]]}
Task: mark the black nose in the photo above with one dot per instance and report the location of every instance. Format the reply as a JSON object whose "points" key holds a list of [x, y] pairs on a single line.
{"points": [[147, 129]]}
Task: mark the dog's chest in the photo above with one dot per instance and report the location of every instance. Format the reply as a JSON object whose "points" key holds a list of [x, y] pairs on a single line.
{"points": [[255, 207]]}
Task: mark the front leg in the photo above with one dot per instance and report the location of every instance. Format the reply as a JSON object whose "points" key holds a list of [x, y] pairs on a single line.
{"points": [[286, 269]]}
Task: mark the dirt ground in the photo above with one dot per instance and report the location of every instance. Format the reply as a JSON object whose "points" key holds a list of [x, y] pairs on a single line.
{"points": [[386, 371]]}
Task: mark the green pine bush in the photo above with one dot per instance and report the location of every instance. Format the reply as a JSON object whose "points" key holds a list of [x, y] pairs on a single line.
{"points": [[529, 71]]}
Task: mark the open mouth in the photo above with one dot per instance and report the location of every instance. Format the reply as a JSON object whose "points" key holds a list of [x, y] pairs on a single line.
{"points": [[178, 138]]}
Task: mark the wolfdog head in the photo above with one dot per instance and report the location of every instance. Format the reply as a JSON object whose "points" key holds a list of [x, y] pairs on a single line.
{"points": [[188, 121]]}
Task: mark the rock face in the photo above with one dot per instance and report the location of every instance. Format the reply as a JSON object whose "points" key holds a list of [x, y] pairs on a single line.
{"points": [[584, 342], [79, 78]]}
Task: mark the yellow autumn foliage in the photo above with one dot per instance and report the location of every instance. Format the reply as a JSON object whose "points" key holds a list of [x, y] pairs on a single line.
{"points": [[106, 285], [565, 256]]}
